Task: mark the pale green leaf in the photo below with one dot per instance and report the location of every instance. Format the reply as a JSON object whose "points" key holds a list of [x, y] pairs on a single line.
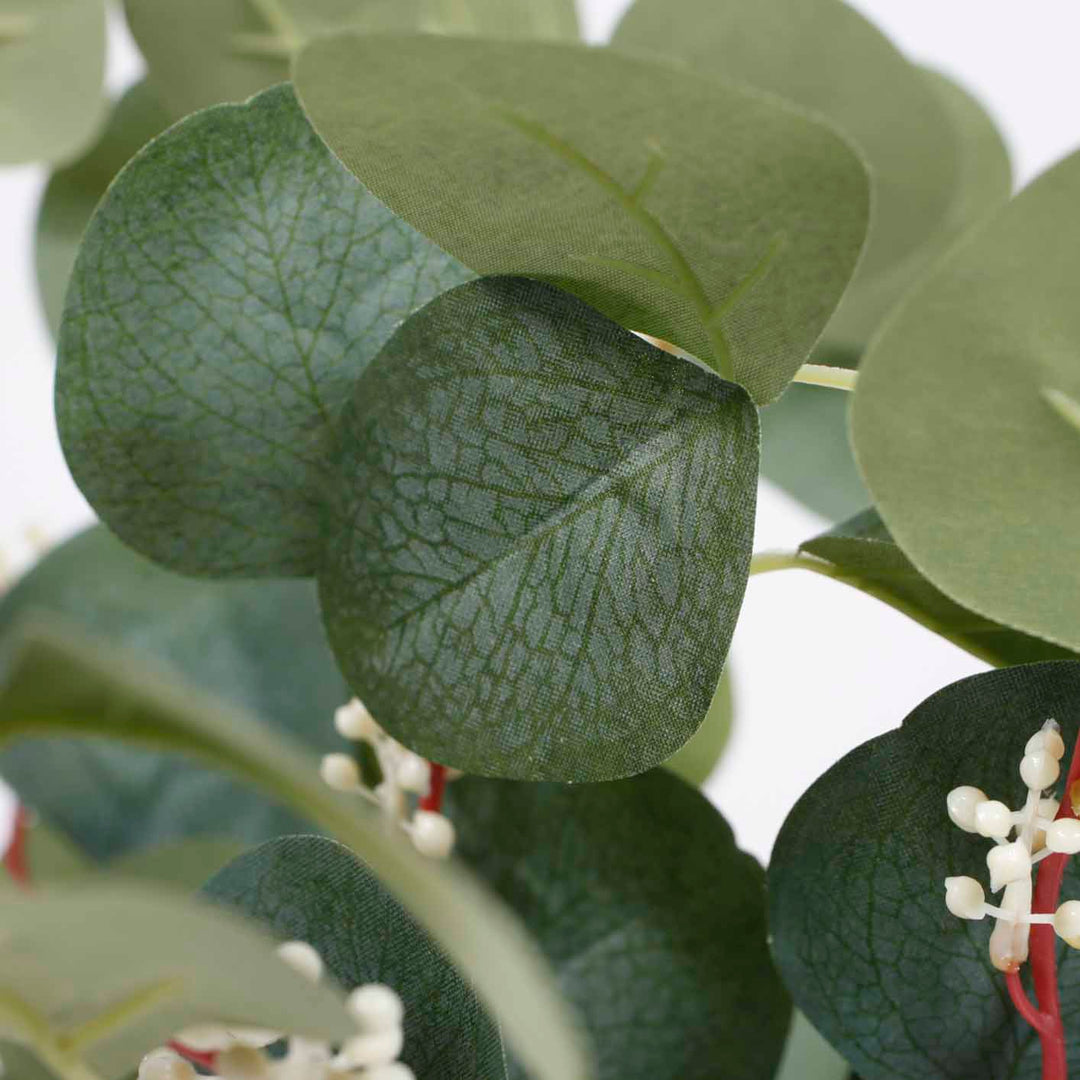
{"points": [[733, 239], [543, 537], [56, 683], [52, 67], [652, 918], [862, 553], [971, 468], [313, 889], [206, 352], [109, 972], [73, 193], [861, 935], [259, 645], [697, 759]]}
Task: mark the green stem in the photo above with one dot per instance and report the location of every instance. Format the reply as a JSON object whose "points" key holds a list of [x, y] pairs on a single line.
{"points": [[835, 378]]}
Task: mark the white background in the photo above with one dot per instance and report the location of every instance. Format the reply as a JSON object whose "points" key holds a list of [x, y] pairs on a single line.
{"points": [[819, 668]]}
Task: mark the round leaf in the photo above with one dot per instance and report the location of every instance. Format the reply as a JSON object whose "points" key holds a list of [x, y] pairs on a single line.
{"points": [[544, 537], [652, 918], [259, 645], [733, 239], [74, 192], [970, 466], [861, 552], [857, 902], [52, 67], [206, 351], [314, 890]]}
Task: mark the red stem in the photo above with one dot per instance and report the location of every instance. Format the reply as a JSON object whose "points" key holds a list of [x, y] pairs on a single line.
{"points": [[15, 860], [1048, 881], [196, 1057], [434, 798], [1023, 1003]]}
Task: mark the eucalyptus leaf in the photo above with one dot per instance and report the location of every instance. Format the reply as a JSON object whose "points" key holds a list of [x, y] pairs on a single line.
{"points": [[20, 1064], [259, 645], [862, 553], [542, 20], [733, 239], [543, 539], [971, 468], [52, 67], [185, 864], [313, 889], [697, 759], [861, 934], [826, 56], [112, 971], [652, 918], [206, 351], [74, 191], [54, 682], [805, 446]]}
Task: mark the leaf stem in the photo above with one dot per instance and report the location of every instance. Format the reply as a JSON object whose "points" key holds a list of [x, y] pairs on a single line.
{"points": [[119, 1016], [835, 378]]}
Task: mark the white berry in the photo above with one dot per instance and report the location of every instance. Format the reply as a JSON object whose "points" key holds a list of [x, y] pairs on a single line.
{"points": [[340, 772], [993, 819], [961, 803], [1067, 922], [1050, 740], [1008, 863], [1039, 770], [301, 957], [1064, 836], [165, 1064], [964, 897], [355, 723], [413, 773], [433, 834], [375, 1008]]}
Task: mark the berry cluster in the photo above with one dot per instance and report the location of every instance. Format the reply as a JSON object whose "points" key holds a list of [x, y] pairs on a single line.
{"points": [[241, 1053], [1010, 862]]}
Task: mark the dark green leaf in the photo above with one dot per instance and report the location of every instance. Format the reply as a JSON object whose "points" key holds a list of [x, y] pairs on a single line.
{"points": [[54, 682], [733, 238], [697, 759], [314, 890], [970, 465], [544, 539], [109, 972], [52, 66], [207, 350], [862, 553], [653, 919], [259, 645], [861, 934], [73, 193]]}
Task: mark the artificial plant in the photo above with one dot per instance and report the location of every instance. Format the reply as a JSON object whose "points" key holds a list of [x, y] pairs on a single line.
{"points": [[420, 363]]}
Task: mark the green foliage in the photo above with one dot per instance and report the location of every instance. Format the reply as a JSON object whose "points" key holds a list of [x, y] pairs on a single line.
{"points": [[861, 552], [206, 353], [52, 66], [532, 500], [649, 913], [105, 973], [970, 466], [55, 683], [257, 645], [860, 930], [733, 240], [313, 889], [74, 191], [698, 757]]}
